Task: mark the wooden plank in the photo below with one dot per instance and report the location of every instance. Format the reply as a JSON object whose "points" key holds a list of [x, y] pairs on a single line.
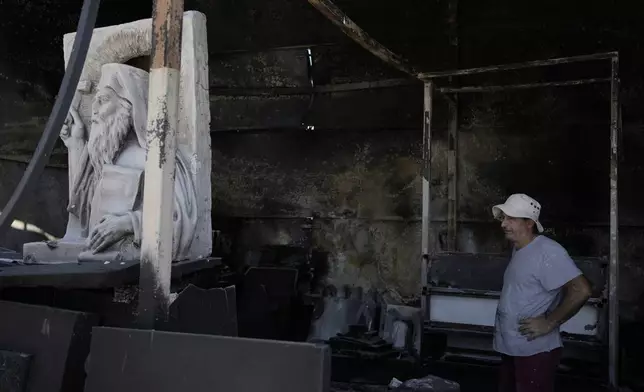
{"points": [[158, 194]]}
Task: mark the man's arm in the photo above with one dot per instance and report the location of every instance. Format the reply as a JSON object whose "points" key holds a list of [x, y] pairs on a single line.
{"points": [[576, 293]]}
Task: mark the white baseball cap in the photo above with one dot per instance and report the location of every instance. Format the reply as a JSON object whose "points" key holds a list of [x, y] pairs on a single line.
{"points": [[520, 206]]}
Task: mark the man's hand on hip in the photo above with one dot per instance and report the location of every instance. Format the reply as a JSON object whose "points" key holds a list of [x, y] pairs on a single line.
{"points": [[576, 293], [535, 327]]}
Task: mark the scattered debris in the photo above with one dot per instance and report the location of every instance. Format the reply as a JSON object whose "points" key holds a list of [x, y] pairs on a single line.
{"points": [[359, 342], [428, 383], [395, 383]]}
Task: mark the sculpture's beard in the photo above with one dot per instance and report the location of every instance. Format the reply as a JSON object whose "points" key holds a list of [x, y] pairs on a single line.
{"points": [[107, 136]]}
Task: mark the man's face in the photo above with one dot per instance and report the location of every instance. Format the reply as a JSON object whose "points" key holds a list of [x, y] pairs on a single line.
{"points": [[515, 228]]}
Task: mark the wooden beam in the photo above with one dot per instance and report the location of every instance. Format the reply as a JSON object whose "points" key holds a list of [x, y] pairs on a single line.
{"points": [[340, 19], [158, 190]]}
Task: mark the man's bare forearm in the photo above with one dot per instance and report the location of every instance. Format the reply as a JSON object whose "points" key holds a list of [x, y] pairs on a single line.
{"points": [[576, 293]]}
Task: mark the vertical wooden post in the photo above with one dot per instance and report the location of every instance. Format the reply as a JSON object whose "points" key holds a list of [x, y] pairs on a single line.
{"points": [[158, 192], [427, 242]]}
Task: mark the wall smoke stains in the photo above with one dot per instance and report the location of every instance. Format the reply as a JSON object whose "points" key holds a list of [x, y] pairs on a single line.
{"points": [[359, 167]]}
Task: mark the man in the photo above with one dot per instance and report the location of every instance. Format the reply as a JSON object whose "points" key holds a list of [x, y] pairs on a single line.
{"points": [[107, 191], [542, 289]]}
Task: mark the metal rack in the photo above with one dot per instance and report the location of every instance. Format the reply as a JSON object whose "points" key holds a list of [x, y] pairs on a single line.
{"points": [[428, 251]]}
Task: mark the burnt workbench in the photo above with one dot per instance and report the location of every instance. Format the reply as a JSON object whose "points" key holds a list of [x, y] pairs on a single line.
{"points": [[89, 275]]}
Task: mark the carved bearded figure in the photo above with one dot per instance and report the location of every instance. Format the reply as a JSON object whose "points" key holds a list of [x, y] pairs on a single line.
{"points": [[107, 191]]}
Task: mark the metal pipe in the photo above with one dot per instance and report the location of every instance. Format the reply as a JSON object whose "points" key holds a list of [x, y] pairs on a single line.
{"points": [[322, 89], [277, 48], [613, 279], [426, 229], [58, 114], [158, 188], [452, 175], [286, 128], [509, 67], [483, 89]]}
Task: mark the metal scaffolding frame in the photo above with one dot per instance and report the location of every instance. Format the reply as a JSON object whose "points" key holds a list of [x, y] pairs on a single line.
{"points": [[428, 250]]}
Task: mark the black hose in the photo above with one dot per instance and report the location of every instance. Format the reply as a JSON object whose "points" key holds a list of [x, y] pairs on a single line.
{"points": [[58, 113]]}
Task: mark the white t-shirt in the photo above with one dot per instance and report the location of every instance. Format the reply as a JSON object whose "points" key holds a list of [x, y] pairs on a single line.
{"points": [[531, 286]]}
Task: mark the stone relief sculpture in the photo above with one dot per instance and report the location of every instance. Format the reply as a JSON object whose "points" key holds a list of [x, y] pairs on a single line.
{"points": [[106, 194], [105, 134]]}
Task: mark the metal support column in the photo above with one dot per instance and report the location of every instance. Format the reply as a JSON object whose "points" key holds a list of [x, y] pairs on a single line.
{"points": [[452, 144], [613, 280], [427, 237], [452, 175], [158, 191]]}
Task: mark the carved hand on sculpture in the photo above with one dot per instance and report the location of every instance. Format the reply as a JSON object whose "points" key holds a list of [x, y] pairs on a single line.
{"points": [[108, 230], [73, 132]]}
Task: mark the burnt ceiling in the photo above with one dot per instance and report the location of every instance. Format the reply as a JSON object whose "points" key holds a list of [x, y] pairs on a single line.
{"points": [[489, 32]]}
